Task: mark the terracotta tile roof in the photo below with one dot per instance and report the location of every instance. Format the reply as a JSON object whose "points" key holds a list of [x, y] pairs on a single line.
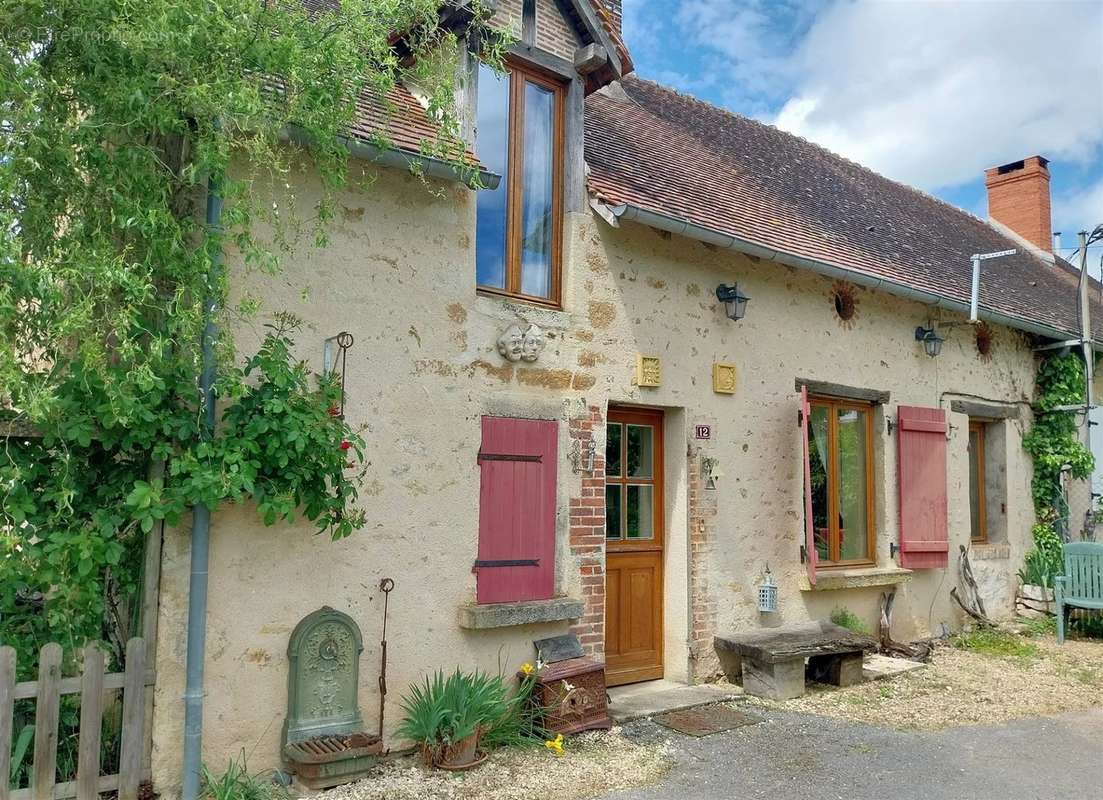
{"points": [[612, 24], [401, 119], [665, 152]]}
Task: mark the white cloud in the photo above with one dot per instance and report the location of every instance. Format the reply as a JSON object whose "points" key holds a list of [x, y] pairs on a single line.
{"points": [[1077, 210], [931, 93]]}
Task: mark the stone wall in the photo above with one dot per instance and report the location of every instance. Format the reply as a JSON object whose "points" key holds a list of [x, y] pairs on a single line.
{"points": [[399, 274]]}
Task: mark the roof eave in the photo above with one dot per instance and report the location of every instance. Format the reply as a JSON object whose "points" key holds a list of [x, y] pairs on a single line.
{"points": [[691, 230], [473, 178]]}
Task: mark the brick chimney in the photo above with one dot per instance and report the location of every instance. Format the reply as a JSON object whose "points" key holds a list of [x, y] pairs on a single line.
{"points": [[1018, 197]]}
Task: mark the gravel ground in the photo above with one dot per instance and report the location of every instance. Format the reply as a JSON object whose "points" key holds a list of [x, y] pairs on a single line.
{"points": [[592, 764], [792, 755], [961, 687]]}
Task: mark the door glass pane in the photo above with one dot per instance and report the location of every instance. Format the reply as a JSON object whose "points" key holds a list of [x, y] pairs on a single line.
{"points": [[536, 192], [817, 445], [492, 145], [612, 449], [853, 508], [974, 484], [613, 495], [640, 451], [640, 512]]}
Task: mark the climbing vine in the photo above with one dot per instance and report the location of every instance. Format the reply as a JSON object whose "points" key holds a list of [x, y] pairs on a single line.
{"points": [[1052, 442], [112, 117]]}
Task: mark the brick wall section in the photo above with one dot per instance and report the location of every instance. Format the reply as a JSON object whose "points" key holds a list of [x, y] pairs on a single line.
{"points": [[587, 537], [702, 536], [508, 16], [1018, 197], [554, 33]]}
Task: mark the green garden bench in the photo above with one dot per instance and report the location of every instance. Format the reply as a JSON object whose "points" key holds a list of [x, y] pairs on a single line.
{"points": [[1082, 584]]}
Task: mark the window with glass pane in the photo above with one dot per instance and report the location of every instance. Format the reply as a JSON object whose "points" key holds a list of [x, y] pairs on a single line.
{"points": [[840, 444], [630, 474], [977, 500], [519, 137]]}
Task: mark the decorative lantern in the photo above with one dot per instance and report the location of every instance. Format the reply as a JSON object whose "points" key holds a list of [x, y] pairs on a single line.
{"points": [[767, 593], [932, 342], [735, 302]]}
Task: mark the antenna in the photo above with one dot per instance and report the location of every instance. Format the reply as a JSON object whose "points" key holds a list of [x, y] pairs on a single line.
{"points": [[974, 299]]}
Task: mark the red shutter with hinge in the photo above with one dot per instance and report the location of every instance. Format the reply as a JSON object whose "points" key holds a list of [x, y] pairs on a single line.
{"points": [[810, 556], [921, 467], [517, 464]]}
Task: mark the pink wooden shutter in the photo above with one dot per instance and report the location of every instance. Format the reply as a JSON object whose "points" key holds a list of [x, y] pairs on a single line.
{"points": [[924, 528], [810, 557], [516, 510]]}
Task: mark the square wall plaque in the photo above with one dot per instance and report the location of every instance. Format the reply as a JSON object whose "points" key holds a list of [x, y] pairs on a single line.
{"points": [[723, 378], [649, 371]]}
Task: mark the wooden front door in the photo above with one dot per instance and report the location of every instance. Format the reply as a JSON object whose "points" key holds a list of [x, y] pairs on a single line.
{"points": [[634, 546]]}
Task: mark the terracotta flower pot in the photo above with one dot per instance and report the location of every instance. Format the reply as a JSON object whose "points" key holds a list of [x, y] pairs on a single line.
{"points": [[463, 754]]}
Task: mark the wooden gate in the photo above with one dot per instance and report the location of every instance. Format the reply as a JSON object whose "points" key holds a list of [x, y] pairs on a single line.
{"points": [[92, 685]]}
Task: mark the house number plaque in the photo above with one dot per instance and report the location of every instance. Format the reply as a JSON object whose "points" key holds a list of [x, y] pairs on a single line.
{"points": [[703, 432]]}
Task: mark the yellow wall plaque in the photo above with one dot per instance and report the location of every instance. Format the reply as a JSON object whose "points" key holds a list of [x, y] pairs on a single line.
{"points": [[723, 378], [649, 371]]}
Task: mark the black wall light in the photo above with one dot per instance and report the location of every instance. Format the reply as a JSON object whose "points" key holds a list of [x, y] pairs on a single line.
{"points": [[735, 302], [932, 342]]}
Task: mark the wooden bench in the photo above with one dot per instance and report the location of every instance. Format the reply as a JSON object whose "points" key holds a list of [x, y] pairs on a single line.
{"points": [[1082, 584], [771, 662]]}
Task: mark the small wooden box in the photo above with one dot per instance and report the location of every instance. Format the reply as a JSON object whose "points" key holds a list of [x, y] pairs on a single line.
{"points": [[572, 693]]}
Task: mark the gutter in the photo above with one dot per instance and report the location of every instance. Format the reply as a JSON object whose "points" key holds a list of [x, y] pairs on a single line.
{"points": [[691, 230], [402, 159]]}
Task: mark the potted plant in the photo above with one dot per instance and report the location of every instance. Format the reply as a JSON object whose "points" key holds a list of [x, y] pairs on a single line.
{"points": [[1042, 563], [450, 719]]}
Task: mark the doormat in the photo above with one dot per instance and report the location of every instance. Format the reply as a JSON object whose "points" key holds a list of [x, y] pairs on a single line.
{"points": [[705, 720]]}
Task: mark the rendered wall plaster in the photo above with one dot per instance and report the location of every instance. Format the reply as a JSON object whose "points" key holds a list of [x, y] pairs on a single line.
{"points": [[400, 276]]}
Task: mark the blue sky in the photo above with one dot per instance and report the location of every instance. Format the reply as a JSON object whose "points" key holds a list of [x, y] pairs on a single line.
{"points": [[928, 93]]}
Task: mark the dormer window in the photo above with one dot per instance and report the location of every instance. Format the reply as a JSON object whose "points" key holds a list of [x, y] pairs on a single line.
{"points": [[520, 137]]}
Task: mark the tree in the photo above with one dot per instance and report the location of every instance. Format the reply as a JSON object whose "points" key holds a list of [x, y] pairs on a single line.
{"points": [[113, 115]]}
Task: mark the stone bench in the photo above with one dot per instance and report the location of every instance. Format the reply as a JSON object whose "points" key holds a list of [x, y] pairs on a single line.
{"points": [[771, 662]]}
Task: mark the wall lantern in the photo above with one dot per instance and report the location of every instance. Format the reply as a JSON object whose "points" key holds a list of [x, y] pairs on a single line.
{"points": [[932, 342], [735, 302]]}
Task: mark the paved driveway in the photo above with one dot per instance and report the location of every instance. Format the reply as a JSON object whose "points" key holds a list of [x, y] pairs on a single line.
{"points": [[791, 756]]}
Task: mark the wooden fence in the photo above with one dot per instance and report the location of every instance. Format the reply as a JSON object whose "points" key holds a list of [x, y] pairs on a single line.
{"points": [[91, 686]]}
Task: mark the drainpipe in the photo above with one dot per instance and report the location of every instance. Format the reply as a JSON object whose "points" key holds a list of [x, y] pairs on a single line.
{"points": [[1086, 340], [201, 521]]}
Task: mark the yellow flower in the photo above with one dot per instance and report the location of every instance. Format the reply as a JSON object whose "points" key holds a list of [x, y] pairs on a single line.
{"points": [[555, 745], [527, 668]]}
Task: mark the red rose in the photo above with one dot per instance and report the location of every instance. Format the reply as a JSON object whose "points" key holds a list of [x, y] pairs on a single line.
{"points": [[345, 445]]}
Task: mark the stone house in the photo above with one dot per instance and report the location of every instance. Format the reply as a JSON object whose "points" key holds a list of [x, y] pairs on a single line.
{"points": [[570, 431]]}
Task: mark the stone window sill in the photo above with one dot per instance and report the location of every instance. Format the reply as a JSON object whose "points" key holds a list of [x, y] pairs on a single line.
{"points": [[990, 551], [477, 617], [829, 579]]}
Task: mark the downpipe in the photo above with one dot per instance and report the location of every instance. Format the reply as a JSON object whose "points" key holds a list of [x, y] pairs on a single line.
{"points": [[201, 522]]}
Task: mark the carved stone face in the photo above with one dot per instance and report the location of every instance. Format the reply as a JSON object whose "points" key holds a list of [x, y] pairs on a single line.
{"points": [[532, 344], [511, 344]]}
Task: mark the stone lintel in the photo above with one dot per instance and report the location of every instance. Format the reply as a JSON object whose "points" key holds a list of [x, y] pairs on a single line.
{"points": [[845, 392], [856, 578], [502, 615], [975, 408]]}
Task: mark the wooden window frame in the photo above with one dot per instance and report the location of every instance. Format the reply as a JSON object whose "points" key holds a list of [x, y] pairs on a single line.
{"points": [[520, 74], [833, 544], [654, 420], [980, 426]]}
